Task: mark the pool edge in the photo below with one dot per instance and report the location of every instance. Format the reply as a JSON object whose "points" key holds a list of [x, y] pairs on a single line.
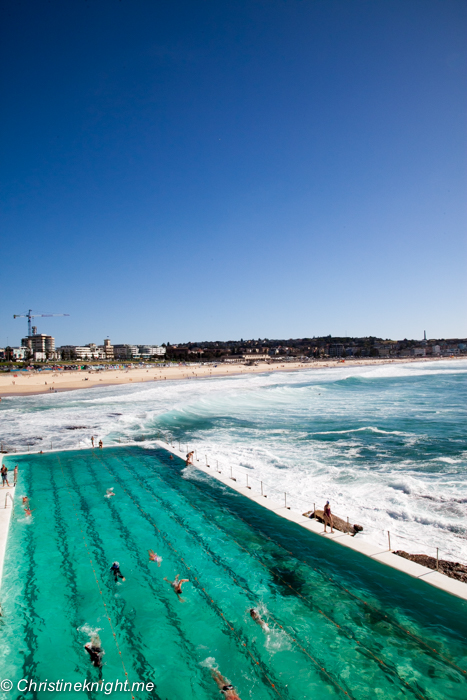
{"points": [[383, 556]]}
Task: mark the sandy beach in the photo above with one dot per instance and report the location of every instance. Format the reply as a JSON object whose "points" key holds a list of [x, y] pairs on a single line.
{"points": [[40, 382]]}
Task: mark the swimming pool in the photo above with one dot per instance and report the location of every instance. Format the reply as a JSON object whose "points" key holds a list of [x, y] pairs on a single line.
{"points": [[340, 624]]}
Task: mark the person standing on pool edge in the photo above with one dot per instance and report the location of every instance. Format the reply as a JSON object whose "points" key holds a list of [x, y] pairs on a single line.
{"points": [[115, 569], [327, 516], [5, 476]]}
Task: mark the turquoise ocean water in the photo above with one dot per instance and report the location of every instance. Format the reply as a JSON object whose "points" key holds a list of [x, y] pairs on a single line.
{"points": [[340, 625], [387, 444]]}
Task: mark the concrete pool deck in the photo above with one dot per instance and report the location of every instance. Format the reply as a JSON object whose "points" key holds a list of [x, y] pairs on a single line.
{"points": [[373, 551], [7, 495]]}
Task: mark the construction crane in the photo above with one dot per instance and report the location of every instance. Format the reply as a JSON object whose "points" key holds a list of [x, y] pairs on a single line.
{"points": [[30, 316]]}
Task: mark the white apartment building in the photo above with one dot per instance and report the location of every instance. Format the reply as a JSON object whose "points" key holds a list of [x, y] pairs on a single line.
{"points": [[148, 351], [89, 352]]}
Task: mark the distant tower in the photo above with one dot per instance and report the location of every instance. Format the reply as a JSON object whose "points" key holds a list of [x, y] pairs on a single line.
{"points": [[424, 335]]}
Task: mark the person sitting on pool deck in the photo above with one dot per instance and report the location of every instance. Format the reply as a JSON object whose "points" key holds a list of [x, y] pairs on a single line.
{"points": [[327, 516], [177, 584], [115, 569], [224, 686], [96, 652], [257, 618], [189, 458]]}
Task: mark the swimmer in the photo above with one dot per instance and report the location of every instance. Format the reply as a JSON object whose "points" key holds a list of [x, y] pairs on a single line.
{"points": [[171, 456], [224, 686], [257, 618], [25, 500], [177, 584], [115, 569], [96, 653], [109, 493], [189, 458], [101, 444], [154, 557], [28, 511]]}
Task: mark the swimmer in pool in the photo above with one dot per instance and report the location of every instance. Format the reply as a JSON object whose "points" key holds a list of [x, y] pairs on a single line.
{"points": [[109, 493], [224, 686], [154, 557], [96, 653], [257, 618], [177, 584], [115, 569]]}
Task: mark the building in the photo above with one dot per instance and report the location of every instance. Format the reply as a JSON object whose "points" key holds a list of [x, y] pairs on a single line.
{"points": [[148, 351], [336, 350], [126, 352], [107, 349], [14, 354], [39, 343], [89, 352]]}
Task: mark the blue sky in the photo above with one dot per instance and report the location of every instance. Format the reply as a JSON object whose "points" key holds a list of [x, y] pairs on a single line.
{"points": [[179, 171]]}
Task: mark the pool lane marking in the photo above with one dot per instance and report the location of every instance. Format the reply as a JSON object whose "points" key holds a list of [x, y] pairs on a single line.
{"points": [[249, 594], [60, 524], [189, 646], [141, 667], [95, 576], [341, 587], [392, 670], [214, 605]]}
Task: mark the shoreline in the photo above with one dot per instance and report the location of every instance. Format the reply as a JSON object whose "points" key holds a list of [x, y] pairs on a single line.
{"points": [[35, 383]]}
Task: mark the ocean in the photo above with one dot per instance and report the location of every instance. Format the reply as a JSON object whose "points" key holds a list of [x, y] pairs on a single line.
{"points": [[385, 444]]}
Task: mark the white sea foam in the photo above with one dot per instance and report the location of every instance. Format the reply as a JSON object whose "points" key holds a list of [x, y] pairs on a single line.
{"points": [[389, 454]]}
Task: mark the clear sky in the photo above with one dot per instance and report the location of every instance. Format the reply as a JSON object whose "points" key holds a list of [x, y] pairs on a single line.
{"points": [[179, 171]]}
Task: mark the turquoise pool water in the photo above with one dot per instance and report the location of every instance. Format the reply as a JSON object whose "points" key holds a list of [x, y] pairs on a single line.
{"points": [[340, 625]]}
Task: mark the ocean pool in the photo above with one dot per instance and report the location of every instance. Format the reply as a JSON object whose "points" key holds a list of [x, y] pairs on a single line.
{"points": [[341, 625]]}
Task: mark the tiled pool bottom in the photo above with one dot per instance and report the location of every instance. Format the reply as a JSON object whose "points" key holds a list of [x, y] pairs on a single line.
{"points": [[341, 625]]}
